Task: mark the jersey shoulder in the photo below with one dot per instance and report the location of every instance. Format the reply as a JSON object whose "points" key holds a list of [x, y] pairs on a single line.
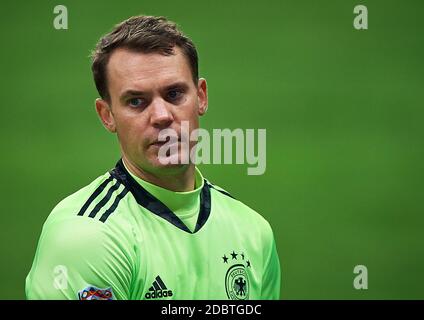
{"points": [[90, 218], [97, 200], [238, 209], [96, 208], [75, 236]]}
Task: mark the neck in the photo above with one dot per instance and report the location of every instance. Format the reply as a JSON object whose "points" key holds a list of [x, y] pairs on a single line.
{"points": [[181, 181]]}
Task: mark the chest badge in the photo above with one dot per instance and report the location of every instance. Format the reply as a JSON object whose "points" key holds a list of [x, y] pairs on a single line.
{"points": [[236, 278]]}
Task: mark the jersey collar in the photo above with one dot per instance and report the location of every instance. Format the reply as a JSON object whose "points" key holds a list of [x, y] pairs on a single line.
{"points": [[151, 203]]}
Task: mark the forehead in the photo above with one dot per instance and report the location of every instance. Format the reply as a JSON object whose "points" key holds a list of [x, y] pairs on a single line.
{"points": [[145, 71]]}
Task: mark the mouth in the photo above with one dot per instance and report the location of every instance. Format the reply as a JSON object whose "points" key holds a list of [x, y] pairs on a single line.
{"points": [[161, 143]]}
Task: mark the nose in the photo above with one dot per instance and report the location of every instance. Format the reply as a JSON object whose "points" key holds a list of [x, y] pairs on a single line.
{"points": [[161, 116]]}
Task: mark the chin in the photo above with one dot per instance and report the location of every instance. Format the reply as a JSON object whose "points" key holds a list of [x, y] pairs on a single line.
{"points": [[168, 167]]}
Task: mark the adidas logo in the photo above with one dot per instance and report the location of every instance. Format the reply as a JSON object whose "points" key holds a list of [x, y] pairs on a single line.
{"points": [[158, 290]]}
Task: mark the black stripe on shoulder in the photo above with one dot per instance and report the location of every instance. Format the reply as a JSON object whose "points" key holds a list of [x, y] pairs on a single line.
{"points": [[105, 199], [222, 191], [94, 195], [114, 205]]}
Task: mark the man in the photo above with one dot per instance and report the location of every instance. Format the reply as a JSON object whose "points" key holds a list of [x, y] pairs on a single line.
{"points": [[150, 229]]}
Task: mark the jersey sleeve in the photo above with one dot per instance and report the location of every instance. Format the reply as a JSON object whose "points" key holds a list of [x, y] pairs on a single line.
{"points": [[80, 258], [272, 273]]}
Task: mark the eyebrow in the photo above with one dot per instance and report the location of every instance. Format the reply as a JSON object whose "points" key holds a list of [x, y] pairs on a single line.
{"points": [[132, 92]]}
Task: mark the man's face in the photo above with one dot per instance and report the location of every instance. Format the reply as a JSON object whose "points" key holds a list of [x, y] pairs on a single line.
{"points": [[150, 92]]}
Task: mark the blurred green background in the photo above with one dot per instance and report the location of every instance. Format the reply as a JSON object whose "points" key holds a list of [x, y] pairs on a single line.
{"points": [[343, 111]]}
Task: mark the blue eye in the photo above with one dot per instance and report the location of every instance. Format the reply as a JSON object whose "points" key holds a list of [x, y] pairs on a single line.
{"points": [[135, 102], [174, 94]]}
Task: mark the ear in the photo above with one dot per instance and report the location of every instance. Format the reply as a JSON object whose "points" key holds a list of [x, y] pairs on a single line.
{"points": [[202, 95], [105, 114]]}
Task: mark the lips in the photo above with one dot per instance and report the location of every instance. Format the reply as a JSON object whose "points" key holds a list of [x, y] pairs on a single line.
{"points": [[158, 143], [161, 143]]}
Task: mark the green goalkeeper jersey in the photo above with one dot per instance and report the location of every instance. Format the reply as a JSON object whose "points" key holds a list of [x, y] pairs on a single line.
{"points": [[123, 238]]}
